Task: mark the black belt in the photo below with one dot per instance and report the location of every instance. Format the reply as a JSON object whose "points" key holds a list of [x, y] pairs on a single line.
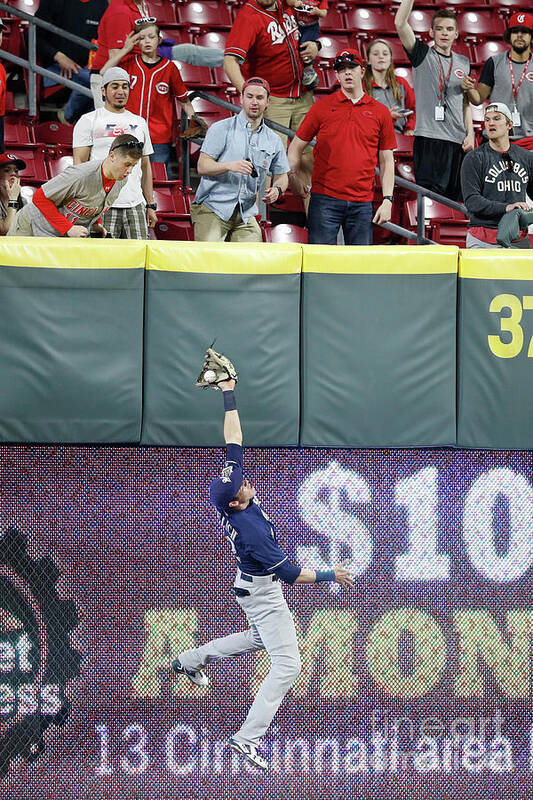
{"points": [[250, 578]]}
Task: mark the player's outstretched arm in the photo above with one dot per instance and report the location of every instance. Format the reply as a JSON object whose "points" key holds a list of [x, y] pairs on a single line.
{"points": [[339, 574], [232, 422]]}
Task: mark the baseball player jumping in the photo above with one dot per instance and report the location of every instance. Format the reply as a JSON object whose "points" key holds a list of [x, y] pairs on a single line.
{"points": [[261, 564]]}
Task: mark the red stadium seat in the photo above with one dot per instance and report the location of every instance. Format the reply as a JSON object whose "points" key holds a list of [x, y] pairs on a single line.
{"points": [[159, 172], [480, 24], [405, 170], [179, 35], [332, 43], [219, 77], [17, 132], [172, 199], [406, 74], [442, 224], [163, 11], [284, 233], [206, 14], [195, 76], [35, 172], [209, 111], [334, 21], [404, 150], [288, 202], [58, 165], [29, 6], [53, 133], [481, 52], [174, 229], [420, 20], [371, 22], [212, 39]]}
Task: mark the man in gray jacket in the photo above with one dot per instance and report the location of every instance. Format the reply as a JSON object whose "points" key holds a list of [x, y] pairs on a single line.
{"points": [[496, 178], [72, 203]]}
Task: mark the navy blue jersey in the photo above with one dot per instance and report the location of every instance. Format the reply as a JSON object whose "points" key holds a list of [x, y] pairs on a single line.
{"points": [[250, 533]]}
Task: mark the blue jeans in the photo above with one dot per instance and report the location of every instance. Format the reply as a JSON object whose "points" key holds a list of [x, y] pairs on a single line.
{"points": [[162, 153], [328, 214], [77, 103]]}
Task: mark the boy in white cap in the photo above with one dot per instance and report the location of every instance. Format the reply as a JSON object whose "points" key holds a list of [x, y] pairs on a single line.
{"points": [[496, 178], [134, 210]]}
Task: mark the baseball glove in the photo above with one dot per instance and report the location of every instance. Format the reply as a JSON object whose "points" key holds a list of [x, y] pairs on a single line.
{"points": [[197, 128], [216, 368]]}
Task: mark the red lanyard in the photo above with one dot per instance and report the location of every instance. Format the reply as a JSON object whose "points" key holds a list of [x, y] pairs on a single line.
{"points": [[443, 86], [515, 89]]}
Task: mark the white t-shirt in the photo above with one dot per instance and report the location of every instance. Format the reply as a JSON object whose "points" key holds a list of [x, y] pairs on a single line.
{"points": [[98, 128]]}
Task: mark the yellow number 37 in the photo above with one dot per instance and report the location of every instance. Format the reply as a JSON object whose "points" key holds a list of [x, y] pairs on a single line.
{"points": [[510, 324]]}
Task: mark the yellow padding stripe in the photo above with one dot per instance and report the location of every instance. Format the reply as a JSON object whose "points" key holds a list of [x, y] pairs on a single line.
{"points": [[229, 258], [383, 260], [505, 265], [64, 253]]}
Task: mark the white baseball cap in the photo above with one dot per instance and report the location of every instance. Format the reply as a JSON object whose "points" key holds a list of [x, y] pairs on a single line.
{"points": [[502, 108], [114, 74]]}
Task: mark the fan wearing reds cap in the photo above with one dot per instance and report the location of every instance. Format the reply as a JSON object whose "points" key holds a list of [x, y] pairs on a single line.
{"points": [[237, 155], [496, 179], [354, 133], [508, 77], [10, 198]]}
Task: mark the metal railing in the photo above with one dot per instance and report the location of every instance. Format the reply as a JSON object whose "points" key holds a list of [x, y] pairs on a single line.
{"points": [[31, 62], [421, 192]]}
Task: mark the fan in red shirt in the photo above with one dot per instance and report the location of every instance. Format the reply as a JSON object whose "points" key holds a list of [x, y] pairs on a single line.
{"points": [[118, 20], [354, 134], [155, 82]]}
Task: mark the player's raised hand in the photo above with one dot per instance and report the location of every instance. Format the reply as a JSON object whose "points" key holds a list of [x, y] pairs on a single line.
{"points": [[342, 575], [78, 232]]}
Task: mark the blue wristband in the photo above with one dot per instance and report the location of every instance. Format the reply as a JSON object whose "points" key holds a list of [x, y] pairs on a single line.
{"points": [[230, 403], [325, 575]]}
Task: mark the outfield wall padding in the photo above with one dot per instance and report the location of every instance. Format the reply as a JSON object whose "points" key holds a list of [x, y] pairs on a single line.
{"points": [[495, 324], [378, 346], [71, 332], [245, 296]]}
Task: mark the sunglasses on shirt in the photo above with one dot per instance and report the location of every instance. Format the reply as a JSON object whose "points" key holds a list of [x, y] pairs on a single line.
{"points": [[145, 19], [509, 163]]}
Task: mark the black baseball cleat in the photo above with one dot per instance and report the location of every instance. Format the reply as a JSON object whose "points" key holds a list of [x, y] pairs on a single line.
{"points": [[196, 676], [249, 751]]}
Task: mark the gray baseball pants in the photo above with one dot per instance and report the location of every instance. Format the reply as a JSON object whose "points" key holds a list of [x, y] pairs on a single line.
{"points": [[271, 629]]}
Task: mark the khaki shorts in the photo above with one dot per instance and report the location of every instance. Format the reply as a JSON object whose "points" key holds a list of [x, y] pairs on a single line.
{"points": [[208, 227], [289, 112]]}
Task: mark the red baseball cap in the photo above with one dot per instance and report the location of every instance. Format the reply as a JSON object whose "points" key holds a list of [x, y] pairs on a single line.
{"points": [[7, 158], [256, 82], [520, 20], [348, 56]]}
